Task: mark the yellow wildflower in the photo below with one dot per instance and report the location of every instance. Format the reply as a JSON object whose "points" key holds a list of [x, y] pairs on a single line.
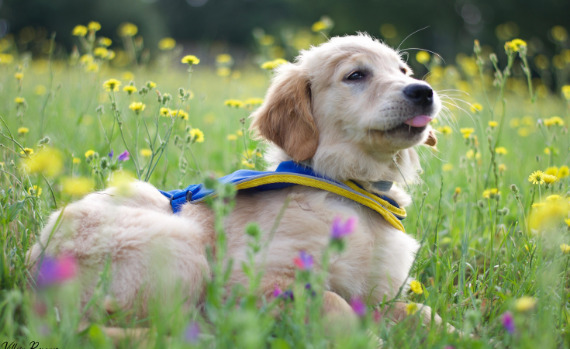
{"points": [[270, 65], [112, 85], [150, 84], [547, 151], [146, 152], [130, 89], [47, 161], [525, 303], [128, 29], [105, 42], [92, 67], [196, 135], [549, 212], [137, 107], [563, 171], [537, 177], [565, 248], [232, 137], [466, 132], [223, 72], [165, 112], [248, 163], [566, 92], [76, 161], [40, 90], [79, 30], [27, 151], [35, 191], [549, 179], [553, 171], [446, 130], [476, 107], [251, 102], [90, 154], [559, 33], [6, 58], [447, 167], [19, 100], [239, 133], [457, 190], [23, 130], [490, 193], [224, 58], [190, 60], [423, 57], [493, 124], [101, 52], [502, 168], [19, 76], [94, 26], [320, 26], [77, 186], [516, 45], [501, 150], [554, 121], [388, 31], [234, 103], [412, 308], [416, 287], [122, 181], [166, 44]]}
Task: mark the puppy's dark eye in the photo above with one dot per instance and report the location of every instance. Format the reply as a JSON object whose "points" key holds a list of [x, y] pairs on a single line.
{"points": [[404, 70], [357, 75]]}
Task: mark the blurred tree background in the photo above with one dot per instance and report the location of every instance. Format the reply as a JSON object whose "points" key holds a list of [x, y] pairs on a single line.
{"points": [[451, 24]]}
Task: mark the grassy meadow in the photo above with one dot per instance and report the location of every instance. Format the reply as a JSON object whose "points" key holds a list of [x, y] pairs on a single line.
{"points": [[492, 213]]}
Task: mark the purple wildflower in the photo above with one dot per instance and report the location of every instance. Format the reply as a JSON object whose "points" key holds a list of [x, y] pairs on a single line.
{"points": [[111, 154], [277, 291], [124, 156], [358, 306], [341, 229], [192, 332], [304, 261], [508, 322], [56, 270]]}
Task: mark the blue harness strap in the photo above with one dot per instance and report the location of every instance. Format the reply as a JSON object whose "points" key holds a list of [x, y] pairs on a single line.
{"points": [[287, 174]]}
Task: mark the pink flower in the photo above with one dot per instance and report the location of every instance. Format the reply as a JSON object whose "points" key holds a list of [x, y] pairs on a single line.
{"points": [[341, 229], [304, 261], [277, 291], [124, 156], [358, 306], [56, 270], [192, 332], [508, 322]]}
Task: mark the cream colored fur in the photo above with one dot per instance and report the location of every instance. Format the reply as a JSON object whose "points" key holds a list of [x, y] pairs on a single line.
{"points": [[311, 114]]}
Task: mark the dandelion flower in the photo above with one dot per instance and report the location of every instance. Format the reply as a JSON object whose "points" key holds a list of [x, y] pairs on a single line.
{"points": [[128, 29], [501, 150], [320, 26], [137, 107], [223, 72], [35, 191], [112, 85], [447, 167], [77, 186], [90, 154], [101, 52], [563, 172], [23, 130], [19, 100], [232, 137], [476, 107], [537, 177], [565, 248], [190, 60], [47, 161], [166, 44], [423, 57], [94, 26], [40, 90], [105, 42], [502, 168], [146, 152], [516, 45], [490, 193], [196, 135], [234, 103], [549, 213], [552, 170], [76, 161], [412, 308], [19, 76], [150, 84], [554, 121], [270, 65], [466, 132], [6, 58], [79, 30], [525, 303], [549, 179], [130, 89], [493, 124], [416, 287], [566, 92], [446, 130], [27, 151]]}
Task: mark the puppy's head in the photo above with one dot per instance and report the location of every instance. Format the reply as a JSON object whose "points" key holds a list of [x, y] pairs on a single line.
{"points": [[349, 107]]}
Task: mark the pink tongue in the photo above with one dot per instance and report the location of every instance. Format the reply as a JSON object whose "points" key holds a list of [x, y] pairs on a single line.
{"points": [[418, 121]]}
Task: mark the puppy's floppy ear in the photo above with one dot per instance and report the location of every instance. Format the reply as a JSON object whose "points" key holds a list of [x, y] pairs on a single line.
{"points": [[432, 139], [285, 118]]}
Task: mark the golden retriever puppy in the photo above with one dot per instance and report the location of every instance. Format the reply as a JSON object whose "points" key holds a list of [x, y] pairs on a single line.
{"points": [[349, 110]]}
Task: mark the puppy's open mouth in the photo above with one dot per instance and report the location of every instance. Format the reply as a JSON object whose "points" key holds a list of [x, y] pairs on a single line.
{"points": [[414, 125]]}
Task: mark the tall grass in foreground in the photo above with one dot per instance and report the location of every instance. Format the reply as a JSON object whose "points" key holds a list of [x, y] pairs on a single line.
{"points": [[491, 213]]}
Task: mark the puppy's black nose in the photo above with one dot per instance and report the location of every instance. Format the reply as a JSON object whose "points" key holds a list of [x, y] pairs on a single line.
{"points": [[420, 94]]}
